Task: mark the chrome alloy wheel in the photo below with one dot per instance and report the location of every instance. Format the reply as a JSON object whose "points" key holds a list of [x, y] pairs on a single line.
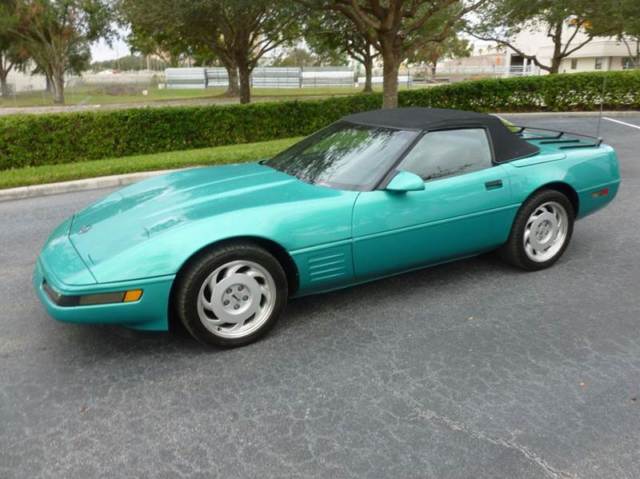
{"points": [[236, 299], [546, 231]]}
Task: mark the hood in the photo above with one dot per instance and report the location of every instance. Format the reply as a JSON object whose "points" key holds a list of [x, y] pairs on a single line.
{"points": [[151, 207]]}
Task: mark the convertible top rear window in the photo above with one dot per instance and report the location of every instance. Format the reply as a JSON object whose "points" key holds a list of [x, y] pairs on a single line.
{"points": [[344, 155]]}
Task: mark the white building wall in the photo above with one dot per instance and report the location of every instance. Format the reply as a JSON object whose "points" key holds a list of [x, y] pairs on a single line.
{"points": [[609, 49], [588, 64]]}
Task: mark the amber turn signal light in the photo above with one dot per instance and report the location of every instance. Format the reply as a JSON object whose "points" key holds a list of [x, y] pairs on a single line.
{"points": [[132, 295]]}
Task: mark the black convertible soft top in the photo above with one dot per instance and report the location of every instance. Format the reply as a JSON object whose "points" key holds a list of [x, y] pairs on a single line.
{"points": [[507, 145]]}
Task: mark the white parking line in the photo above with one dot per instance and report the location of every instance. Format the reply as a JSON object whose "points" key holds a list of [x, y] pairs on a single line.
{"points": [[621, 122]]}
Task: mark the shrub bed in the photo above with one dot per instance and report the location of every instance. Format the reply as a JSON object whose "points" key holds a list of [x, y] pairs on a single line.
{"points": [[32, 140], [568, 92]]}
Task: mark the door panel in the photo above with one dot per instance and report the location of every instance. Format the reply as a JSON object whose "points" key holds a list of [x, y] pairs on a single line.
{"points": [[452, 217]]}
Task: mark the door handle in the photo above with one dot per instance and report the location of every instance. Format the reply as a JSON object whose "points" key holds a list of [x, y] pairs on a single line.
{"points": [[493, 185]]}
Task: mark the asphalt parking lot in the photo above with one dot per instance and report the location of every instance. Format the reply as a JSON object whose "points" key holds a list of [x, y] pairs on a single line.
{"points": [[468, 370]]}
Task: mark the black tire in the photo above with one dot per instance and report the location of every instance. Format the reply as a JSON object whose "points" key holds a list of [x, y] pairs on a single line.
{"points": [[513, 251], [191, 279]]}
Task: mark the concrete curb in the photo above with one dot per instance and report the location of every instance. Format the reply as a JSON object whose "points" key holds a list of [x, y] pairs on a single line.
{"points": [[121, 180], [23, 192]]}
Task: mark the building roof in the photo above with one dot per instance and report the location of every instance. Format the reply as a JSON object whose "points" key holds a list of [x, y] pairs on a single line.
{"points": [[506, 145]]}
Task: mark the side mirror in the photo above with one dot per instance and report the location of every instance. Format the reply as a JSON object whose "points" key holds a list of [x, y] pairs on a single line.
{"points": [[405, 181]]}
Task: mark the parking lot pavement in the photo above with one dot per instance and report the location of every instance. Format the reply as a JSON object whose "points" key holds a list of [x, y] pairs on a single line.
{"points": [[468, 370]]}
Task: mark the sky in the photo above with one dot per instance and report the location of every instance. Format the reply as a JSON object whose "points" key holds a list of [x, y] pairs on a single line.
{"points": [[101, 51]]}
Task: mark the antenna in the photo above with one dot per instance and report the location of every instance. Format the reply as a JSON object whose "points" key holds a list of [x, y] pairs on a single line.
{"points": [[604, 83]]}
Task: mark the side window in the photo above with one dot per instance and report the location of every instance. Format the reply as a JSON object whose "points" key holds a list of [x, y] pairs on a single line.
{"points": [[447, 153]]}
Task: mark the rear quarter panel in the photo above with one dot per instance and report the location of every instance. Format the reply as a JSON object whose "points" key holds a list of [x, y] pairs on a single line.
{"points": [[586, 170]]}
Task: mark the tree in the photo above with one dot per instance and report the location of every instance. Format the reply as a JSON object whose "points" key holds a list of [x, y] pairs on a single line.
{"points": [[241, 32], [622, 20], [155, 28], [296, 57], [128, 63], [12, 53], [333, 35], [57, 34], [432, 53], [158, 27], [561, 21], [397, 27], [237, 33], [172, 30]]}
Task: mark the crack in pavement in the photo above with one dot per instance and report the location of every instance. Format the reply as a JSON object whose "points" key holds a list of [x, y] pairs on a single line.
{"points": [[549, 470]]}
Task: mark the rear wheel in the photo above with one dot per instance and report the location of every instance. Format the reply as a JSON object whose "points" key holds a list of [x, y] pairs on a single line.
{"points": [[232, 295], [541, 231]]}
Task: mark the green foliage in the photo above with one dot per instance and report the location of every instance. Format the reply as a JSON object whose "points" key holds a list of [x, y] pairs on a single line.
{"points": [[12, 48], [569, 92], [331, 36], [300, 57], [622, 20], [129, 63], [395, 28], [236, 33], [156, 27], [31, 140], [561, 21], [431, 53], [57, 35]]}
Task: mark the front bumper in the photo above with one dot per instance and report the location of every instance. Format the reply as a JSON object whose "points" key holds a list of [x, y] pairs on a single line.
{"points": [[149, 313]]}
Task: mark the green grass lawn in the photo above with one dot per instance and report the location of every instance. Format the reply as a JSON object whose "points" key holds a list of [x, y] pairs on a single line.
{"points": [[130, 164], [106, 95], [102, 96]]}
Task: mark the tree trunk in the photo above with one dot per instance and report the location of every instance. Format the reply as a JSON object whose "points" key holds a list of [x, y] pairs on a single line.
{"points": [[433, 67], [234, 87], [557, 49], [58, 87], [368, 74], [4, 85], [390, 70], [5, 68], [245, 83]]}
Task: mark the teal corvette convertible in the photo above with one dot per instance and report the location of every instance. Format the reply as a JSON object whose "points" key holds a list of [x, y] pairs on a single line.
{"points": [[222, 249]]}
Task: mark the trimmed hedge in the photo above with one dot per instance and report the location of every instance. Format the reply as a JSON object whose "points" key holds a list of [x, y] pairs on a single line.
{"points": [[566, 92], [31, 140]]}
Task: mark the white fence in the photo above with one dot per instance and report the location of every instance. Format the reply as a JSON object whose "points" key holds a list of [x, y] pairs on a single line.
{"points": [[186, 78], [215, 77], [322, 77], [450, 68], [405, 79], [276, 77], [272, 77]]}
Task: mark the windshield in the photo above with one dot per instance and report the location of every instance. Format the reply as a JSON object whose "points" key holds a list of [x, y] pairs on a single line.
{"points": [[344, 155]]}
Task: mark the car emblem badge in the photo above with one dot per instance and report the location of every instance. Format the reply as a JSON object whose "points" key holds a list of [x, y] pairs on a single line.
{"points": [[84, 229]]}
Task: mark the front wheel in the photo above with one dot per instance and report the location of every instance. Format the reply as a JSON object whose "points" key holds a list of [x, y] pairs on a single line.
{"points": [[231, 295], [541, 231]]}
